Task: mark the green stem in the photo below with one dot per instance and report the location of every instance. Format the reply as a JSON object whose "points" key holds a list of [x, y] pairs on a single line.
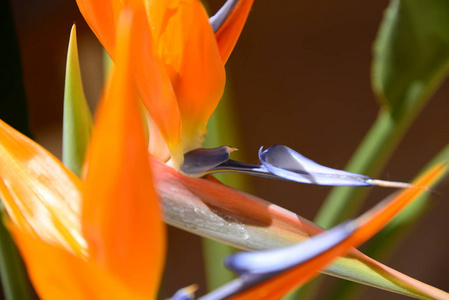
{"points": [[369, 159], [12, 271], [221, 131], [213, 255]]}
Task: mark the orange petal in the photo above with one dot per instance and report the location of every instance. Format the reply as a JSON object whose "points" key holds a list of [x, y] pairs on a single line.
{"points": [[229, 32], [187, 45], [121, 217], [369, 224], [41, 195], [66, 276], [156, 146], [153, 84], [101, 17], [202, 77]]}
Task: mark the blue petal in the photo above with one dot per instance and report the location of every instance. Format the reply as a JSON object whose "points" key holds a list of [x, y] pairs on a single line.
{"points": [[257, 267], [217, 20], [289, 164], [278, 260], [197, 162], [187, 293], [278, 162]]}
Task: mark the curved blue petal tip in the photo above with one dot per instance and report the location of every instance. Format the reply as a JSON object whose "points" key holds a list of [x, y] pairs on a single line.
{"points": [[289, 164]]}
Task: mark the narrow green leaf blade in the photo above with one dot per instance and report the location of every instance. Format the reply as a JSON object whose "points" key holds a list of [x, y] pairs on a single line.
{"points": [[77, 117], [383, 244]]}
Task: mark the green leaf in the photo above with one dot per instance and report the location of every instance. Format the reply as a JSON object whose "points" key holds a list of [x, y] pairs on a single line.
{"points": [[14, 279], [77, 117], [411, 54], [411, 58]]}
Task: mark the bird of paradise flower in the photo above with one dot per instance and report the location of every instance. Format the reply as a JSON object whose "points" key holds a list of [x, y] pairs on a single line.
{"points": [[109, 225]]}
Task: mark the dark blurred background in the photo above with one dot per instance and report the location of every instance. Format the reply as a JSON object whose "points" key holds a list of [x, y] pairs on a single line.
{"points": [[299, 76]]}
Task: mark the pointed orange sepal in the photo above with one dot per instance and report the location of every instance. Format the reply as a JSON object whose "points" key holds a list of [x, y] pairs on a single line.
{"points": [[187, 46], [121, 216], [368, 224], [153, 83], [66, 276], [201, 79], [41, 196], [229, 32], [150, 76], [101, 17], [376, 218]]}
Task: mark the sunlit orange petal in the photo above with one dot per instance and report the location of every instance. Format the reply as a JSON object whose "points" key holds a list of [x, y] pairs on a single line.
{"points": [[151, 79], [229, 32], [40, 195], [154, 85], [156, 146], [165, 24], [201, 78], [187, 46], [121, 217], [369, 223]]}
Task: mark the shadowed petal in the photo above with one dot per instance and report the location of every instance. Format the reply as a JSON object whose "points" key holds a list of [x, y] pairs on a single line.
{"points": [[121, 218], [199, 161]]}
